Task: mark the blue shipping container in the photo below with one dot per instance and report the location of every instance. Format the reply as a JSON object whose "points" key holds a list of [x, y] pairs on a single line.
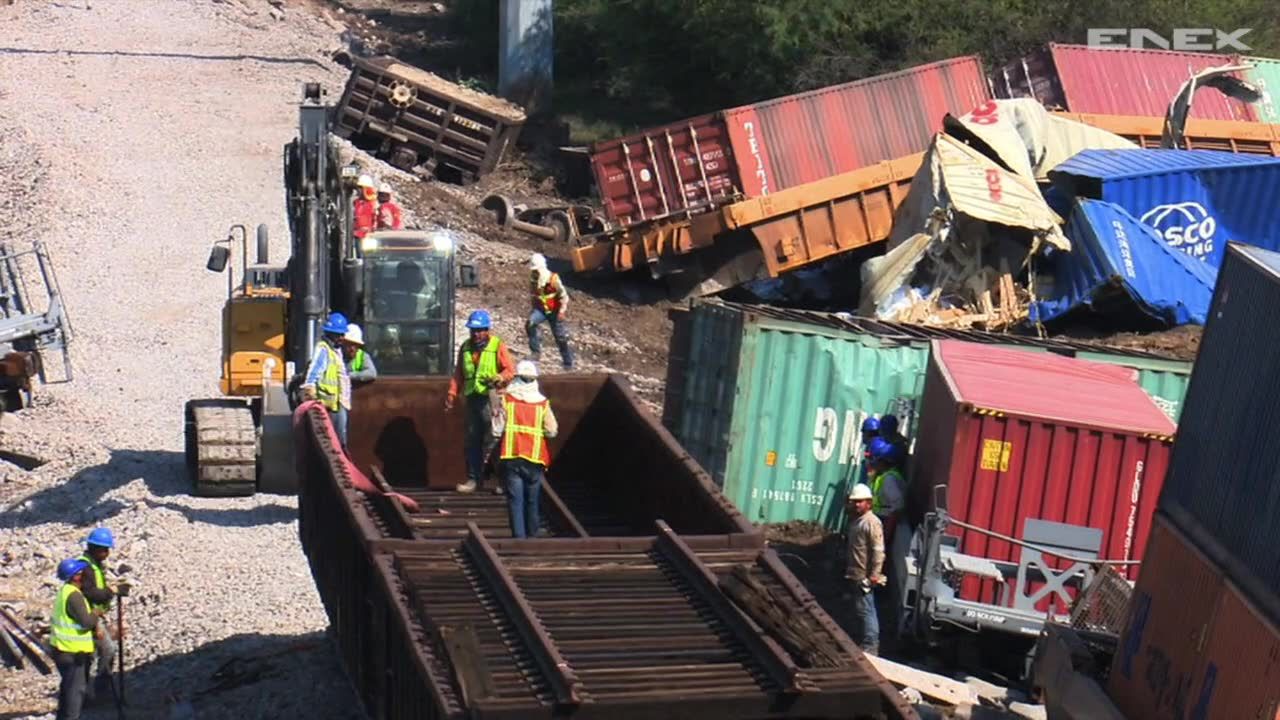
{"points": [[1198, 200], [1120, 268], [1222, 488]]}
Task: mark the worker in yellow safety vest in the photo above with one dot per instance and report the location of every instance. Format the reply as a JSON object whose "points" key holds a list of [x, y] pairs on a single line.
{"points": [[888, 487], [97, 548], [327, 380], [483, 366], [72, 628], [550, 301], [360, 365], [525, 425]]}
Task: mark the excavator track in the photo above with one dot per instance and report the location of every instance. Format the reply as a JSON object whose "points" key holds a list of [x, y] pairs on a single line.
{"points": [[222, 448]]}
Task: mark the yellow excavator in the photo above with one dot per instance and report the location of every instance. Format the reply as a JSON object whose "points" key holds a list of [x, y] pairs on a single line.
{"points": [[399, 285]]}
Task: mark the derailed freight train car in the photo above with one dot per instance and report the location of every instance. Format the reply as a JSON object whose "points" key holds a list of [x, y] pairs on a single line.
{"points": [[652, 597]]}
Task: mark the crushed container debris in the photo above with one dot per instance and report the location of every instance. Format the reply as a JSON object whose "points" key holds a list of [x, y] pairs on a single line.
{"points": [[1122, 271]]}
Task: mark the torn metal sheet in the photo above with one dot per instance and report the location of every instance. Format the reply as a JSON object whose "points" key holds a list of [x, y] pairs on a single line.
{"points": [[1218, 78], [1027, 139], [1123, 270]]}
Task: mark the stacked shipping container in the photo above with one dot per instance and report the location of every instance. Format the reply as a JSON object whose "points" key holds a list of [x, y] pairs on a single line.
{"points": [[1117, 81], [1203, 636], [1056, 439], [771, 401], [758, 149]]}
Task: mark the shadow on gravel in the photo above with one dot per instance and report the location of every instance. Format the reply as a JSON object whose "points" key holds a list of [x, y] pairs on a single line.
{"points": [[80, 501], [244, 677], [273, 514], [171, 55]]}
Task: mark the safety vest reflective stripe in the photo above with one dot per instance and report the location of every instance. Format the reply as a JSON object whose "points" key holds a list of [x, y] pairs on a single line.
{"points": [[877, 483], [329, 384], [549, 294], [98, 578], [476, 377], [66, 634], [523, 436]]}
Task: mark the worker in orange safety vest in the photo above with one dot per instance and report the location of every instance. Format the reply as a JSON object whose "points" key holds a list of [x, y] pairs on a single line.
{"points": [[549, 299], [390, 215], [524, 426], [364, 216]]}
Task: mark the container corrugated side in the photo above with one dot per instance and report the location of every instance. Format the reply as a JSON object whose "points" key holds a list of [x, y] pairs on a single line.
{"points": [[1171, 615], [1222, 486], [710, 381], [1265, 75], [796, 433], [1240, 677], [798, 139], [667, 170], [1125, 81], [1005, 469], [731, 413]]}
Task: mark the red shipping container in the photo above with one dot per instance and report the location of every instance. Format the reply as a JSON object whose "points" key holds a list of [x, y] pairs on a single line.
{"points": [[1193, 646], [758, 149], [1014, 435], [1117, 81]]}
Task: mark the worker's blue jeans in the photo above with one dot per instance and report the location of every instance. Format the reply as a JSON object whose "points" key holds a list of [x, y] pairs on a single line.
{"points": [[479, 434], [559, 331], [864, 604], [339, 419], [524, 485]]}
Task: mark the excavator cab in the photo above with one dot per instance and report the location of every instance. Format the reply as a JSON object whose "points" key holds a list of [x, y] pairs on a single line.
{"points": [[407, 279]]}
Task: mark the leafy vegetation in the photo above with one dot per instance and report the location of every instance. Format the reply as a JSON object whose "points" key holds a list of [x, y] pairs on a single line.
{"points": [[631, 62]]}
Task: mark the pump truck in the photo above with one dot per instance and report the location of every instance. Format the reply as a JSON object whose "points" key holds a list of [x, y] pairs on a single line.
{"points": [[399, 285]]}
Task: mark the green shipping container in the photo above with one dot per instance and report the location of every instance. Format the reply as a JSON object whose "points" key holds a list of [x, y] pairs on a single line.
{"points": [[1265, 76], [771, 401]]}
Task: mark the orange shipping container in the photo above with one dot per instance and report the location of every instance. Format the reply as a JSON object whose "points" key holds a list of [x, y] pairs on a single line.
{"points": [[1193, 648], [1241, 665], [1169, 618]]}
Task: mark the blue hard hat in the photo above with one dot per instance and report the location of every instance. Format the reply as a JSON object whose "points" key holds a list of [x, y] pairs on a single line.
{"points": [[870, 425], [479, 320], [889, 424], [70, 567], [101, 537], [336, 324], [881, 449]]}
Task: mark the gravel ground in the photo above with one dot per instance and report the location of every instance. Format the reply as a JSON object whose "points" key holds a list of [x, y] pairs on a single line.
{"points": [[132, 133]]}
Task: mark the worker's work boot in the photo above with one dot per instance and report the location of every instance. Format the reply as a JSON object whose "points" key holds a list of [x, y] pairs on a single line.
{"points": [[466, 487]]}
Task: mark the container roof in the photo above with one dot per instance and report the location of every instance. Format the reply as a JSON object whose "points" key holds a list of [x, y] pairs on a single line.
{"points": [[1123, 164], [1067, 390]]}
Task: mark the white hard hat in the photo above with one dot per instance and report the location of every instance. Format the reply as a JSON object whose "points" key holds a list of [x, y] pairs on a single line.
{"points": [[860, 492], [365, 181], [526, 369], [537, 262], [385, 188], [354, 335]]}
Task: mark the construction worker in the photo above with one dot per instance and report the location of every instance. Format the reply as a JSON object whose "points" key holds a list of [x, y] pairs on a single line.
{"points": [[889, 431], [72, 630], [98, 547], [327, 380], [524, 426], [483, 365], [887, 485], [865, 566], [360, 367], [870, 431], [550, 300], [390, 215], [364, 216]]}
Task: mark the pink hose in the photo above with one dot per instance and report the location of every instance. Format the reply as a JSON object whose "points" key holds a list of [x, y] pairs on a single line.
{"points": [[359, 480]]}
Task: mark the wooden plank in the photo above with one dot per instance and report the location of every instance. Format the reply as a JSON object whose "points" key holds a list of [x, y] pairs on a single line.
{"points": [[930, 685], [469, 664]]}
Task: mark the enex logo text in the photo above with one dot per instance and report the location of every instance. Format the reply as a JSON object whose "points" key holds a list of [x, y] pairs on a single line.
{"points": [[1189, 39]]}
